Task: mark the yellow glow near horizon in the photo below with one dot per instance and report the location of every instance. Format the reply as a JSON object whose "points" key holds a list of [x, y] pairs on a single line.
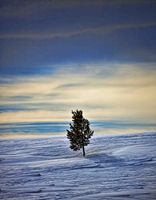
{"points": [[128, 93]]}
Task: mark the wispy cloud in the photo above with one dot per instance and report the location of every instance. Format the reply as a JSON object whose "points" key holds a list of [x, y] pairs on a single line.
{"points": [[126, 93], [72, 33]]}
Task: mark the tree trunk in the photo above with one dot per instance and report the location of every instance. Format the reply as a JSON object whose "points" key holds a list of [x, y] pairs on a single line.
{"points": [[83, 151]]}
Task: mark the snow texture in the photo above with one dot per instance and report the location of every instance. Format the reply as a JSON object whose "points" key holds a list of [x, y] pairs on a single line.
{"points": [[116, 167]]}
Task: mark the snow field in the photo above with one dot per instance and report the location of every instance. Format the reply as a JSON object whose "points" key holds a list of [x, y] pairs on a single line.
{"points": [[116, 167]]}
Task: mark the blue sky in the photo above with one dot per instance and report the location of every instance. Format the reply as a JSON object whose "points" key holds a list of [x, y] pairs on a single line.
{"points": [[98, 56]]}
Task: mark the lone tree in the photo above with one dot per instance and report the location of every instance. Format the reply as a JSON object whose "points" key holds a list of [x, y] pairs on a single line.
{"points": [[80, 132]]}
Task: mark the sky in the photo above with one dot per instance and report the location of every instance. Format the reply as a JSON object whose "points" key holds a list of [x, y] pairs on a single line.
{"points": [[58, 56]]}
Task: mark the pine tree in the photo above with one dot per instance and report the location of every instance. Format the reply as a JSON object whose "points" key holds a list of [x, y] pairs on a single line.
{"points": [[80, 132]]}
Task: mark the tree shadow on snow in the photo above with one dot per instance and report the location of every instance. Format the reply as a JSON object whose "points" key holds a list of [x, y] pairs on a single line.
{"points": [[102, 158]]}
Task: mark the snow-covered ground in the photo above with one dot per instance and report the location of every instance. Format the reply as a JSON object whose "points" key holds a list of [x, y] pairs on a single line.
{"points": [[116, 167]]}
